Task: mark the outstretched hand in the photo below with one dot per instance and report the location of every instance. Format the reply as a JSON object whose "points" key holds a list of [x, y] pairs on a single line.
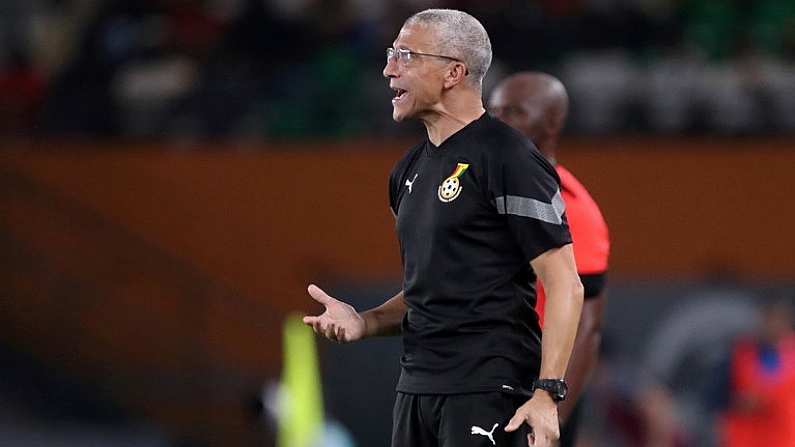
{"points": [[541, 414], [340, 322]]}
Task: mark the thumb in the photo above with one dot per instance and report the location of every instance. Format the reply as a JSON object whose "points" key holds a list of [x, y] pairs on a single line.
{"points": [[318, 294], [310, 320], [515, 422]]}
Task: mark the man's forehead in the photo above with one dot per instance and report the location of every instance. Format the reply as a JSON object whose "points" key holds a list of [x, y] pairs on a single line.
{"points": [[516, 93], [501, 96], [413, 37]]}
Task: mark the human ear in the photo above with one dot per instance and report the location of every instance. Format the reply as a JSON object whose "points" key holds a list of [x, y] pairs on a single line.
{"points": [[455, 74]]}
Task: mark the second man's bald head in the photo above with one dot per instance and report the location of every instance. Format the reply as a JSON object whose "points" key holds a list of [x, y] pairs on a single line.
{"points": [[534, 103]]}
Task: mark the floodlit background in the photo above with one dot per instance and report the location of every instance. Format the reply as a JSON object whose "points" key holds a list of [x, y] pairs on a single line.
{"points": [[173, 174]]}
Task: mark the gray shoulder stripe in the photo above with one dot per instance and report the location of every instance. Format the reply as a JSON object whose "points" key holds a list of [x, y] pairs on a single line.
{"points": [[532, 208]]}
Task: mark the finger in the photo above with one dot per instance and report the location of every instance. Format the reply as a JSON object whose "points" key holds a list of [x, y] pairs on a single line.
{"points": [[549, 435], [531, 440], [342, 335], [544, 441], [317, 327], [329, 332], [515, 422], [339, 334], [308, 320], [318, 294]]}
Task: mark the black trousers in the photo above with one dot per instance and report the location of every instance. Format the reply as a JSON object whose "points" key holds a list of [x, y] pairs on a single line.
{"points": [[456, 420]]}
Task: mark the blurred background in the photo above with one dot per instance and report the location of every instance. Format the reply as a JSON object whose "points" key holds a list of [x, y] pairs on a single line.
{"points": [[173, 174]]}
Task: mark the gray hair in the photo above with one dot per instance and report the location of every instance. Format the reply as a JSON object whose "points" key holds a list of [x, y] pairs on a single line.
{"points": [[460, 36]]}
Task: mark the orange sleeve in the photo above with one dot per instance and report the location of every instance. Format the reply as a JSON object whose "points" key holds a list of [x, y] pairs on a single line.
{"points": [[588, 227], [591, 241]]}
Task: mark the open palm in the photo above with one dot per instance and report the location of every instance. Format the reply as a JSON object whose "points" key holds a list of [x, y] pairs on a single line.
{"points": [[340, 322]]}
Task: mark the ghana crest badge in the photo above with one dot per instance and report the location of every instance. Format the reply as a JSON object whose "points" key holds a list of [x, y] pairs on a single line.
{"points": [[451, 186]]}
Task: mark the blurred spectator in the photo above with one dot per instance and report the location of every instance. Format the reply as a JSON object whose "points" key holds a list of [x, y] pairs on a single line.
{"points": [[686, 348], [761, 404]]}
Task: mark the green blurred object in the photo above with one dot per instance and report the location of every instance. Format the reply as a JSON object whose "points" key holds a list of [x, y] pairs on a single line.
{"points": [[301, 412], [712, 26], [773, 25], [330, 105]]}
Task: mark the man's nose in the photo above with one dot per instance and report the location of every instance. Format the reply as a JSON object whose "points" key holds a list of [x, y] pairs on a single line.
{"points": [[390, 69]]}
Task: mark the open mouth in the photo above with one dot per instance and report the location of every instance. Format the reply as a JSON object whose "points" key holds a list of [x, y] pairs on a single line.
{"points": [[399, 94]]}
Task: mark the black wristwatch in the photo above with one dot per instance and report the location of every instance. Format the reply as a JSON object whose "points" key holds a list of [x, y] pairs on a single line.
{"points": [[556, 388]]}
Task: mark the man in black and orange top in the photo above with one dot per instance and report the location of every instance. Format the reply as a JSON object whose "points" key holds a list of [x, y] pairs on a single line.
{"points": [[536, 104]]}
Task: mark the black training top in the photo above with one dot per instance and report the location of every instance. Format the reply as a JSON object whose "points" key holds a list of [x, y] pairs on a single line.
{"points": [[471, 214]]}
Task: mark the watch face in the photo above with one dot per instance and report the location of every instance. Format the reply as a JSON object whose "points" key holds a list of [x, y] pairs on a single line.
{"points": [[562, 390], [557, 389]]}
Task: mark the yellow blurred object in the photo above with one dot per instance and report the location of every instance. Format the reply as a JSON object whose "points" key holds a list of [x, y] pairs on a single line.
{"points": [[301, 415]]}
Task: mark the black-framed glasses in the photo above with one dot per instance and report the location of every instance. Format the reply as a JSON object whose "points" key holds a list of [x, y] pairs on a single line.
{"points": [[403, 55]]}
